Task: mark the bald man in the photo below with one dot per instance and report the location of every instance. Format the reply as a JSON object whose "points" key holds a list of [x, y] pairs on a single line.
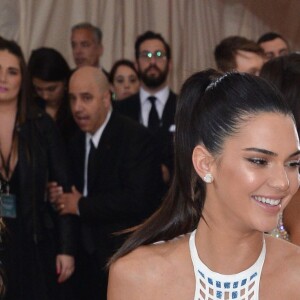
{"points": [[117, 177]]}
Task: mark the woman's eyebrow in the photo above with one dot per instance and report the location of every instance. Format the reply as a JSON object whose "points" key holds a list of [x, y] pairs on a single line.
{"points": [[268, 152], [260, 150]]}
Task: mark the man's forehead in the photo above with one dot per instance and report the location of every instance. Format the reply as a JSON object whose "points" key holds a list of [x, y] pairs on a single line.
{"points": [[153, 44], [82, 34], [278, 42], [82, 80], [84, 89]]}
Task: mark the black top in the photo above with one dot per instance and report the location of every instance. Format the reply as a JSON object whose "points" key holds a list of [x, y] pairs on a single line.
{"points": [[32, 240]]}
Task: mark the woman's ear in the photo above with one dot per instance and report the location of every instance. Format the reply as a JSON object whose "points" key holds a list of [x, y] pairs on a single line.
{"points": [[202, 161]]}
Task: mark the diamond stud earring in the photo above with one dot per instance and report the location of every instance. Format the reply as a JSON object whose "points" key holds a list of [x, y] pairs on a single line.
{"points": [[208, 178]]}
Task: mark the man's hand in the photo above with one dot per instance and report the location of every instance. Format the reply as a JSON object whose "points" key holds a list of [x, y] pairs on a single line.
{"points": [[67, 203]]}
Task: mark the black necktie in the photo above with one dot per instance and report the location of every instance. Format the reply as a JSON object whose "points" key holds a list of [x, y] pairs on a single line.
{"points": [[86, 233], [90, 166], [153, 121]]}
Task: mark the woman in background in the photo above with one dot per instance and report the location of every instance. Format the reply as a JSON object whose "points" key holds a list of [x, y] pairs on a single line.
{"points": [[284, 72], [236, 167], [50, 75], [37, 250], [124, 79]]}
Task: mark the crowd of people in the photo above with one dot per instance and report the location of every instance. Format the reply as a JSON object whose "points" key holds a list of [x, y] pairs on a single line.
{"points": [[114, 187]]}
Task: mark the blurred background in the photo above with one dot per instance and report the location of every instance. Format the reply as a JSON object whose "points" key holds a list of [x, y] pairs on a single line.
{"points": [[192, 27]]}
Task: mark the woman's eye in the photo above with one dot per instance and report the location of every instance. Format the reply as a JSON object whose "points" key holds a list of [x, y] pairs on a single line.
{"points": [[119, 79], [257, 161], [133, 80], [294, 164], [13, 72]]}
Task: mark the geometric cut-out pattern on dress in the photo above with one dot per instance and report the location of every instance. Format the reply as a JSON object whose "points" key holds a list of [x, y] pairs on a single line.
{"points": [[214, 286]]}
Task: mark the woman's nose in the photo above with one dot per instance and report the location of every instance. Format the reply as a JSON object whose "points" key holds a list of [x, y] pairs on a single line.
{"points": [[280, 179]]}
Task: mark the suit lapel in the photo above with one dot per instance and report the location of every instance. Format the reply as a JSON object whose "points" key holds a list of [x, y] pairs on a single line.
{"points": [[76, 148], [103, 152], [169, 111], [136, 108]]}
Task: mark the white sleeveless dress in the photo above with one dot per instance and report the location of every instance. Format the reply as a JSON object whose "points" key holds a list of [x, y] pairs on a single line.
{"points": [[214, 286]]}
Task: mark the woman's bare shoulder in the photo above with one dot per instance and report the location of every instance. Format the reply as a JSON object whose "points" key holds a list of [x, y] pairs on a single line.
{"points": [[290, 268], [144, 271], [141, 260], [278, 248], [282, 268]]}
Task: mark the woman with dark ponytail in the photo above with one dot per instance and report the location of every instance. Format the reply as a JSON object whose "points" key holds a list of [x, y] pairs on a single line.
{"points": [[236, 167]]}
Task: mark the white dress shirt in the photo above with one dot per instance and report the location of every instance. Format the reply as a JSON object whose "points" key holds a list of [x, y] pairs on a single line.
{"points": [[161, 96]]}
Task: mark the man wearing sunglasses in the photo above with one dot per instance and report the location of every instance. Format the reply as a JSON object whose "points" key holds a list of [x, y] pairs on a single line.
{"points": [[154, 105]]}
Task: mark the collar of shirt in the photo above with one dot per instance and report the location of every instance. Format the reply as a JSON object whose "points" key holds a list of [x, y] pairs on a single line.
{"points": [[162, 98], [97, 135]]}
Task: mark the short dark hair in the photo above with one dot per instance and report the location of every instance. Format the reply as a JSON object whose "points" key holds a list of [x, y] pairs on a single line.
{"points": [[94, 29], [270, 36], [226, 50], [150, 35], [48, 64], [117, 64], [284, 72]]}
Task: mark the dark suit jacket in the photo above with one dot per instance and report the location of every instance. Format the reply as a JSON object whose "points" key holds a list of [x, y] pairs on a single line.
{"points": [[131, 107], [42, 158], [127, 183]]}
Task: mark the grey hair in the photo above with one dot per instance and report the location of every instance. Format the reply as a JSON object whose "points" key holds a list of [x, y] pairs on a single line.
{"points": [[94, 29]]}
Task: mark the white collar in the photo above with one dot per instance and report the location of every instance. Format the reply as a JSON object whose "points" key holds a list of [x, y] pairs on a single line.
{"points": [[97, 135], [162, 95]]}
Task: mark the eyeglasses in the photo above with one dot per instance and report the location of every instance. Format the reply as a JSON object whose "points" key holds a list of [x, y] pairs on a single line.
{"points": [[147, 55]]}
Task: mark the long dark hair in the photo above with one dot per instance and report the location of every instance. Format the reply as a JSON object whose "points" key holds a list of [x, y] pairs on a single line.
{"points": [[210, 108], [49, 65], [23, 97]]}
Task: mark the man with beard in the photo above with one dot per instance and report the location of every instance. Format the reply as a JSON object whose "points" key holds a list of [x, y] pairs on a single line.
{"points": [[154, 105]]}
